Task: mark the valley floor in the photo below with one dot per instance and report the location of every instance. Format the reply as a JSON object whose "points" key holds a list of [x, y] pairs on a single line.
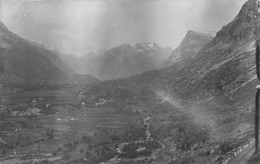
{"points": [[59, 126]]}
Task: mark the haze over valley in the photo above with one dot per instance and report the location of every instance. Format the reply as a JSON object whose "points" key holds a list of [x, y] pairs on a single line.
{"points": [[142, 94]]}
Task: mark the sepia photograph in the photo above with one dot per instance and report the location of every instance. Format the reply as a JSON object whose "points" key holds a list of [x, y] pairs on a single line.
{"points": [[129, 81]]}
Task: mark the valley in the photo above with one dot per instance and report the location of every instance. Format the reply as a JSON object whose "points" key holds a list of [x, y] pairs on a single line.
{"points": [[60, 126], [146, 103]]}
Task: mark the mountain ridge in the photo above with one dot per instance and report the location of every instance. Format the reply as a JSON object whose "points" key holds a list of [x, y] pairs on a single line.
{"points": [[191, 44], [22, 61], [122, 61], [222, 73]]}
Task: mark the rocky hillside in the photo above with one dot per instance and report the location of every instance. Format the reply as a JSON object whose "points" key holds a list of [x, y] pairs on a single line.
{"points": [[192, 43], [23, 61], [223, 66], [222, 74]]}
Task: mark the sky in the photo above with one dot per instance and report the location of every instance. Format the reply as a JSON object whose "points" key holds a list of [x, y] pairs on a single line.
{"points": [[78, 26]]}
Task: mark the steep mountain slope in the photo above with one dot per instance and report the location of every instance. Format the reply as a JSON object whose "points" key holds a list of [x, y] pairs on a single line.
{"points": [[223, 65], [226, 62], [23, 61], [215, 89], [123, 61], [192, 43], [57, 58]]}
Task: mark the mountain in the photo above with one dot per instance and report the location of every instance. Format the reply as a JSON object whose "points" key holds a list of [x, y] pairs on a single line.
{"points": [[226, 63], [122, 61], [224, 66], [128, 60], [192, 43], [213, 92], [23, 61], [198, 110], [83, 65]]}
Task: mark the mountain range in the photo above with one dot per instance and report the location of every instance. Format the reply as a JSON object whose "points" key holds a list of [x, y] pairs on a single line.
{"points": [[119, 62], [198, 107], [128, 60], [221, 74], [222, 66], [228, 56]]}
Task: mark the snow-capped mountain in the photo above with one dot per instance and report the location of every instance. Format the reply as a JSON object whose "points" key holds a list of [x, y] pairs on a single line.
{"points": [[126, 60]]}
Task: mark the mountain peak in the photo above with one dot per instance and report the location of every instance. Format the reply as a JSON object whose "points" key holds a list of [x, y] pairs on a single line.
{"points": [[241, 27], [128, 60], [3, 27], [193, 36], [192, 43]]}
